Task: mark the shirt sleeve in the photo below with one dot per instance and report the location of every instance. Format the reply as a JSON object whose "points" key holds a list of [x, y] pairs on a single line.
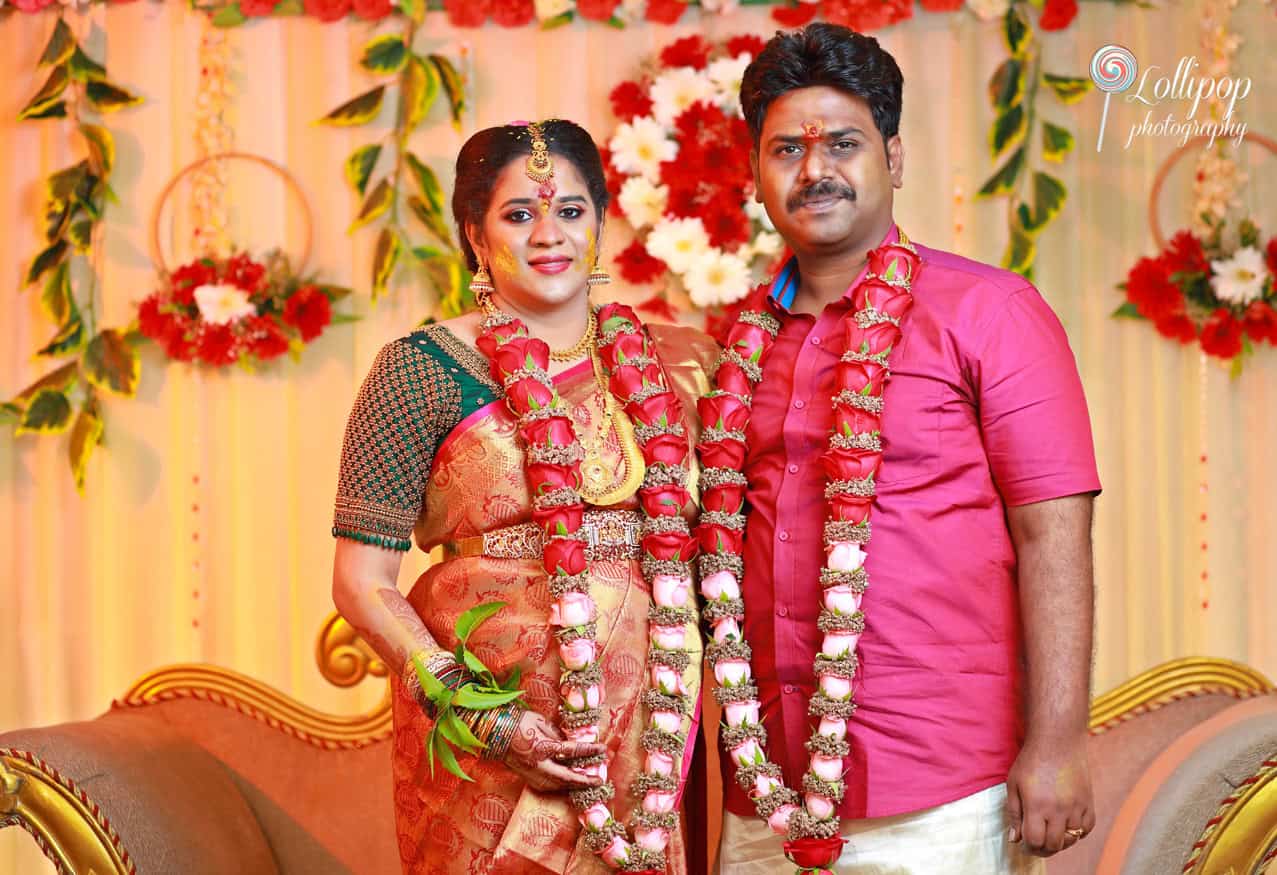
{"points": [[1033, 416], [391, 437]]}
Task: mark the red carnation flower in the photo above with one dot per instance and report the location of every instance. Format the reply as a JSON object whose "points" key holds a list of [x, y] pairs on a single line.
{"points": [[747, 44], [1058, 14], [630, 101], [187, 278], [372, 10], [941, 5], [244, 273], [690, 51], [1260, 321], [217, 345], [327, 10], [309, 311], [658, 306], [1149, 288], [1272, 256], [637, 266], [866, 15], [1222, 335], [467, 13], [614, 179], [256, 8], [266, 339], [665, 11], [597, 10], [152, 321], [1184, 255], [794, 16], [512, 13], [727, 225], [1178, 327]]}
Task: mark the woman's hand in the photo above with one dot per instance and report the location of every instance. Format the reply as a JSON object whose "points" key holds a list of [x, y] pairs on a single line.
{"points": [[535, 749]]}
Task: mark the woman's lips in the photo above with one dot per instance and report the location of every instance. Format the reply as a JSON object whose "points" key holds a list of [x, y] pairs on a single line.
{"points": [[551, 266]]}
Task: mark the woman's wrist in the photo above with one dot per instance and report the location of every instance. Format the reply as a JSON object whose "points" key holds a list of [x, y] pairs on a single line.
{"points": [[495, 727], [440, 663]]}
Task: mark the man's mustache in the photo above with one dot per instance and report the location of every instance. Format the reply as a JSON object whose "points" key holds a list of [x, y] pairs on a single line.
{"points": [[819, 190]]}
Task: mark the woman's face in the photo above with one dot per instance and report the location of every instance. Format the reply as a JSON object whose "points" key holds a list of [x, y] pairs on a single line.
{"points": [[539, 254]]}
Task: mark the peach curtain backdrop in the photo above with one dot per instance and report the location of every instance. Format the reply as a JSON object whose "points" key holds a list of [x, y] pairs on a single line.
{"points": [[203, 534]]}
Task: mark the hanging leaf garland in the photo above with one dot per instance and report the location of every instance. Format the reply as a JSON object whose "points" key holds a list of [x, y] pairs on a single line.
{"points": [[105, 359], [393, 183]]}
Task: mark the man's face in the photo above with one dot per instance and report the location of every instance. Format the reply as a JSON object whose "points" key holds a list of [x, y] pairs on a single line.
{"points": [[823, 173]]}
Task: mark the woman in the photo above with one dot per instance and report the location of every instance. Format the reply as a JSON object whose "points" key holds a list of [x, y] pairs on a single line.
{"points": [[438, 448]]}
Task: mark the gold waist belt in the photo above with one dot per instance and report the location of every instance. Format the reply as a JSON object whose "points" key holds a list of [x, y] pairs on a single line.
{"points": [[608, 534]]}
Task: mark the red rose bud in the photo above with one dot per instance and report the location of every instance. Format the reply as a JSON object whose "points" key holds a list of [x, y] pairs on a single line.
{"points": [[553, 431], [749, 340], [665, 545], [714, 539], [882, 297], [813, 853], [850, 420], [872, 340], [660, 409], [728, 498], [844, 464], [563, 556], [544, 477], [522, 352], [850, 508], [862, 378], [881, 259], [614, 316], [488, 341], [625, 348], [664, 500], [668, 448], [723, 411], [528, 394], [627, 380], [727, 453], [559, 520], [730, 378]]}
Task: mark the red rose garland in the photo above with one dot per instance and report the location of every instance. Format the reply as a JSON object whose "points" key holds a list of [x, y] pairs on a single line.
{"points": [[554, 454], [851, 464]]}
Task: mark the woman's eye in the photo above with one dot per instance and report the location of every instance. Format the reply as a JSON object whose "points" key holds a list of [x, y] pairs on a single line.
{"points": [[571, 212], [518, 216]]}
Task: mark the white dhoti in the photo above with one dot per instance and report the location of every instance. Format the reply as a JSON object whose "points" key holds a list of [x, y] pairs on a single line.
{"points": [[964, 837]]}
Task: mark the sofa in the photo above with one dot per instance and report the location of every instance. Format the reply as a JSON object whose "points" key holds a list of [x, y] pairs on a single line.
{"points": [[198, 769]]}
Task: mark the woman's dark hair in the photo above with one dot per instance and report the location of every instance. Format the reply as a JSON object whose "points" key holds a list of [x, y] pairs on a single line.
{"points": [[829, 55], [486, 154]]}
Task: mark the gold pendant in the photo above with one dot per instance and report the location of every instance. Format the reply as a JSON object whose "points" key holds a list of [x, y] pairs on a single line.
{"points": [[596, 487]]}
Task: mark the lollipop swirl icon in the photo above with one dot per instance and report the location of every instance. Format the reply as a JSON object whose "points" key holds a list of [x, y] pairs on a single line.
{"points": [[1113, 70]]}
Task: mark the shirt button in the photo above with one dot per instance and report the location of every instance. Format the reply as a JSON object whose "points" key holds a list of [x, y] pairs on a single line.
{"points": [[800, 404], [784, 536], [793, 469], [782, 612], [790, 688], [815, 341]]}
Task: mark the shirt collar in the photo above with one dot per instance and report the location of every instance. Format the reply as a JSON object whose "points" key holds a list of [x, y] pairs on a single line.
{"points": [[784, 285]]}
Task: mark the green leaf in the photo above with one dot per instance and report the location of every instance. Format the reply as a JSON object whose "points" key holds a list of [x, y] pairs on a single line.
{"points": [[107, 97], [455, 730], [420, 88], [557, 21], [1127, 311], [374, 205], [1006, 86], [111, 363], [63, 185], [85, 435], [385, 256], [430, 748], [229, 16], [46, 260], [334, 293], [56, 297], [384, 54], [57, 109], [458, 298], [56, 216], [1007, 129], [1069, 89], [475, 664], [289, 7], [357, 111], [1056, 142], [427, 182], [1049, 195], [434, 221], [1015, 30], [83, 68], [61, 44], [59, 379], [512, 682], [101, 147], [360, 164], [48, 94], [1020, 252], [471, 697], [1004, 180], [48, 413], [427, 253], [10, 413], [81, 234], [454, 85], [414, 9], [430, 684], [448, 758]]}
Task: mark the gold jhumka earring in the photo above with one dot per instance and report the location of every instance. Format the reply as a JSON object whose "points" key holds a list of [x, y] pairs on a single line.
{"points": [[481, 287]]}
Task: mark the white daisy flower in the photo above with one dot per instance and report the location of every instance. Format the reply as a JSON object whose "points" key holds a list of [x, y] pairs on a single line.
{"points": [[678, 242], [987, 10], [722, 7], [1240, 279], [675, 90], [717, 278], [222, 303], [642, 202], [639, 147], [726, 74], [766, 244], [758, 213], [547, 9]]}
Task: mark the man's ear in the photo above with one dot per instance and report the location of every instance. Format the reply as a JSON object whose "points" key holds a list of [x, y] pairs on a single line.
{"points": [[758, 183], [896, 161]]}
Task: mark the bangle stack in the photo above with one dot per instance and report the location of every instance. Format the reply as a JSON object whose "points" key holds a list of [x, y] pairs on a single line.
{"points": [[443, 666], [495, 727]]}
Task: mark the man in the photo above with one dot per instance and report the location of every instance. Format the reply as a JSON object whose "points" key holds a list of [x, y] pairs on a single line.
{"points": [[968, 745]]}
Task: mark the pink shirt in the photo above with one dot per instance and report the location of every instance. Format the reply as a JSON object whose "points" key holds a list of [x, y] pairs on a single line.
{"points": [[984, 410]]}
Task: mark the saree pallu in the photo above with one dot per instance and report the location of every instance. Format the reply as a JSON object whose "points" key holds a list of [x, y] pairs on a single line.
{"points": [[496, 824]]}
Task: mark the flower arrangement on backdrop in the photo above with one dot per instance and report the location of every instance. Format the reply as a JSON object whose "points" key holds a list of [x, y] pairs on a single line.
{"points": [[678, 168]]}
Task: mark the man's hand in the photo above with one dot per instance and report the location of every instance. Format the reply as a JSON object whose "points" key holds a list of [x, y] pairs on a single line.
{"points": [[1049, 803], [535, 750]]}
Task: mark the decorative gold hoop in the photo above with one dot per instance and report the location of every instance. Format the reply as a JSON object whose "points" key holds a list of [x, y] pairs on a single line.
{"points": [[1171, 160], [157, 253]]}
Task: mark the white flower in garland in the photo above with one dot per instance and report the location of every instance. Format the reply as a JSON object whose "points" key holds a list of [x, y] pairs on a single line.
{"points": [[675, 90], [722, 7], [222, 303], [642, 202], [758, 213], [987, 10], [1240, 279], [726, 74], [548, 9], [765, 244], [640, 146], [718, 278], [678, 242]]}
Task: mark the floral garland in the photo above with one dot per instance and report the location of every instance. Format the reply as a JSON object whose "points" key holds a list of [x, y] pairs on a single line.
{"points": [[554, 455], [230, 310], [851, 464], [679, 173]]}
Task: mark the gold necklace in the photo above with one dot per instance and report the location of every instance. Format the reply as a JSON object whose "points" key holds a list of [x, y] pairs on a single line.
{"points": [[598, 485], [573, 352]]}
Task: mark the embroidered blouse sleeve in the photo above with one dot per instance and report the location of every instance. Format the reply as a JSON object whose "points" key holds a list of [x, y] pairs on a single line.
{"points": [[405, 407]]}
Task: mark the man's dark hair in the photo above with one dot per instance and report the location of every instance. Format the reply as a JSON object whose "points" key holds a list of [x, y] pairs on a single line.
{"points": [[824, 54], [486, 154]]}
